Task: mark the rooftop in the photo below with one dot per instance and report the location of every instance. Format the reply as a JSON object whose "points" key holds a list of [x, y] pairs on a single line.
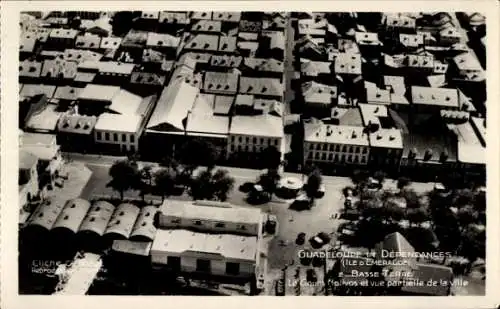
{"points": [[30, 68], [45, 120], [470, 148], [386, 138], [227, 43], [367, 38], [332, 134], [314, 92], [31, 90], [88, 41], [67, 93], [226, 61], [59, 69], [132, 247], [202, 118], [277, 39], [221, 82], [205, 25], [263, 86], [173, 106], [444, 97], [372, 112], [111, 42], [207, 42], [313, 68], [173, 17], [27, 42], [260, 125], [63, 33], [162, 40], [226, 245], [26, 159], [265, 65], [348, 63], [96, 92], [227, 16], [73, 123]]}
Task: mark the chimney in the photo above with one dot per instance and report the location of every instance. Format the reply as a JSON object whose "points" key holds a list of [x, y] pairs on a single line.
{"points": [[391, 138]]}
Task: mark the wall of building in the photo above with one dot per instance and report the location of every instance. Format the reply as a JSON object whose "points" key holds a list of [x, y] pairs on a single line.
{"points": [[336, 153], [127, 141], [251, 143], [171, 222]]}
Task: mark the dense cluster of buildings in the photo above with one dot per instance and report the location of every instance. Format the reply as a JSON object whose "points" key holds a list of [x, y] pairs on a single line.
{"points": [[399, 92], [214, 75]]}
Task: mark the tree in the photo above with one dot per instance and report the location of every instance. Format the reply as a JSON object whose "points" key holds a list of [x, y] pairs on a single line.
{"points": [[209, 186], [393, 211], [198, 152], [411, 197], [146, 173], [403, 182], [124, 176], [168, 161], [463, 197], [359, 176], [271, 157], [417, 215], [164, 182], [269, 181], [379, 176], [313, 184], [222, 184], [467, 215]]}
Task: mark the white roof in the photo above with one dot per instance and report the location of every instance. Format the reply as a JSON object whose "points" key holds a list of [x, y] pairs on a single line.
{"points": [[63, 33], [173, 105], [348, 63], [372, 112], [470, 148], [188, 210], [368, 38], [263, 86], [202, 118], [123, 219], [118, 123], [159, 39], [132, 247], [45, 120], [98, 92], [225, 245], [467, 62], [386, 138], [261, 125], [445, 97], [333, 134]]}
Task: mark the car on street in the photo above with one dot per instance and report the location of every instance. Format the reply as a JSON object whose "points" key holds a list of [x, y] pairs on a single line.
{"points": [[301, 239], [258, 196], [246, 187], [302, 202], [324, 237]]}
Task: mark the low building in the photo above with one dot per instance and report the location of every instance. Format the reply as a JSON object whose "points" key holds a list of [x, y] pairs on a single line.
{"points": [[75, 132], [88, 41], [318, 99], [121, 128], [60, 39], [165, 43], [348, 64], [264, 87]]}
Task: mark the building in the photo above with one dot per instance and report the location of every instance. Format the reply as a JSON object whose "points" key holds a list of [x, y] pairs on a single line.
{"points": [[164, 43], [88, 41], [318, 99], [221, 83], [209, 241], [348, 64], [121, 128], [330, 146], [264, 87], [28, 183], [27, 45], [75, 132], [386, 141], [60, 39]]}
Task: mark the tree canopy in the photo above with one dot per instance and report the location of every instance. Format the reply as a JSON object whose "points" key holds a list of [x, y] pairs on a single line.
{"points": [[198, 152], [125, 176]]}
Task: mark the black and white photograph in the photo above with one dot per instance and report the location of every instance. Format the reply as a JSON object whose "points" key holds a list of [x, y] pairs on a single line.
{"points": [[252, 153]]}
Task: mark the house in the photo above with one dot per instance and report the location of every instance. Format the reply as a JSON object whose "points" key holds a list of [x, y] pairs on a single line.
{"points": [[122, 126], [221, 83], [79, 56], [449, 36], [348, 64], [227, 17], [60, 39], [272, 45], [199, 42], [88, 41], [29, 71], [319, 71], [164, 43], [266, 88], [46, 149], [227, 44], [59, 71], [144, 83], [261, 67], [329, 146], [430, 100], [148, 21], [113, 73], [27, 45], [28, 183], [75, 132], [318, 99], [206, 26]]}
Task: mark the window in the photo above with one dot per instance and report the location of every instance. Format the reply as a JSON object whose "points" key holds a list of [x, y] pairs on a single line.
{"points": [[232, 268], [311, 146], [239, 139], [351, 149], [115, 137], [132, 148], [343, 158], [174, 262], [239, 148], [203, 265], [255, 140], [98, 136], [344, 149], [364, 150], [325, 147], [331, 147], [106, 136], [318, 147], [231, 148], [275, 142], [233, 138], [246, 148], [262, 141], [357, 149], [336, 158], [124, 137], [248, 139], [220, 225], [363, 159], [132, 138], [310, 155], [337, 148], [330, 157], [197, 222], [349, 159], [323, 156], [316, 156]]}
